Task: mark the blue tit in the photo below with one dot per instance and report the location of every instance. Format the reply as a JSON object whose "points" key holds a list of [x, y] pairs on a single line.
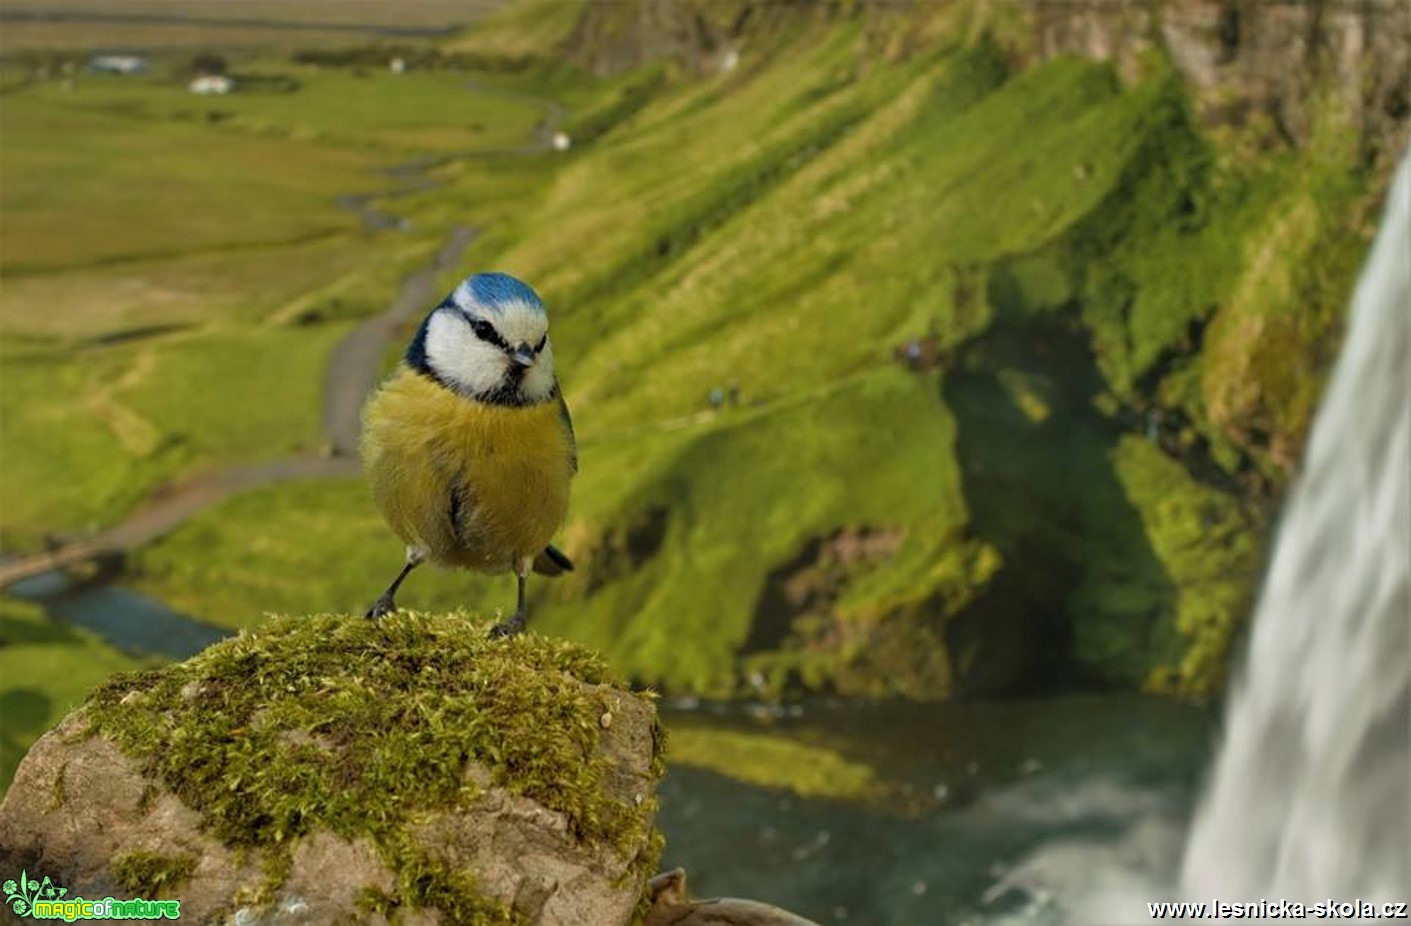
{"points": [[469, 446]]}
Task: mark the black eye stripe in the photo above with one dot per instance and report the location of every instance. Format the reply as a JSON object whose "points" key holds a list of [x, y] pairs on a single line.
{"points": [[486, 332]]}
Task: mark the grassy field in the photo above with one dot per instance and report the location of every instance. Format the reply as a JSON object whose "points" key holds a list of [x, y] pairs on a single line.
{"points": [[410, 114], [258, 24], [116, 153], [85, 188], [338, 274]]}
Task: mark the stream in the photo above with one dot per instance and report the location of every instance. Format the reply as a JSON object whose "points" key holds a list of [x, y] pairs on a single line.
{"points": [[1046, 811]]}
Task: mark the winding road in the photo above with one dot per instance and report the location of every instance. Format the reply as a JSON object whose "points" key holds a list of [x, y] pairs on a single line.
{"points": [[354, 368]]}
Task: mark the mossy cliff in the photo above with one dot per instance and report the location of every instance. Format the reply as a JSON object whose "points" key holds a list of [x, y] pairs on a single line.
{"points": [[326, 769], [1124, 300]]}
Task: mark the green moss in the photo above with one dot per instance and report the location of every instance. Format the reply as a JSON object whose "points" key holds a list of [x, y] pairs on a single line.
{"points": [[1275, 336], [150, 874], [1207, 546], [58, 791], [357, 727], [426, 882], [1213, 283]]}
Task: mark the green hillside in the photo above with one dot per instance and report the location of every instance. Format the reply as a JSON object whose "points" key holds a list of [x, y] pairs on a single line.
{"points": [[1124, 317], [827, 217]]}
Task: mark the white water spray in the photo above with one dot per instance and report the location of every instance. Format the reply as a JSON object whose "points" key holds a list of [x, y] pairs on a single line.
{"points": [[1310, 798]]}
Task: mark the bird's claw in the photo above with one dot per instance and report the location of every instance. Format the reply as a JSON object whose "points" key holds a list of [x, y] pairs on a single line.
{"points": [[381, 608], [509, 628]]}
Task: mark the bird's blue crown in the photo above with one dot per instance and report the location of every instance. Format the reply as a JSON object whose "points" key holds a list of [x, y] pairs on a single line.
{"points": [[494, 290]]}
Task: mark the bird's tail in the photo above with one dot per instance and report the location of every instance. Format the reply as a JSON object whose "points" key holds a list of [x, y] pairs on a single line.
{"points": [[552, 562]]}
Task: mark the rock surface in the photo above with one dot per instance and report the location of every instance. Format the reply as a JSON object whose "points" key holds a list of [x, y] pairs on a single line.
{"points": [[671, 905], [1289, 60], [98, 807]]}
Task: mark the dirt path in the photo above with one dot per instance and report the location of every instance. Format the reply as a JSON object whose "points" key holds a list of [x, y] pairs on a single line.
{"points": [[170, 506], [357, 359], [354, 367], [137, 434]]}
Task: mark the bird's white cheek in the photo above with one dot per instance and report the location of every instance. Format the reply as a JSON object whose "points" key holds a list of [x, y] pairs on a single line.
{"points": [[464, 360], [539, 379]]}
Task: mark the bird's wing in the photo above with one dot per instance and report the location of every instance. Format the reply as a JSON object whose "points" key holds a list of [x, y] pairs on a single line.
{"points": [[568, 426]]}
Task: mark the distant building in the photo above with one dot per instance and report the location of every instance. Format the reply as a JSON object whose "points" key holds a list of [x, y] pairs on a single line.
{"points": [[562, 142], [208, 84], [118, 64], [397, 66]]}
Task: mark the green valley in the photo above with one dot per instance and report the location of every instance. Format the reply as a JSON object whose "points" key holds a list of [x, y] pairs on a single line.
{"points": [[1019, 346]]}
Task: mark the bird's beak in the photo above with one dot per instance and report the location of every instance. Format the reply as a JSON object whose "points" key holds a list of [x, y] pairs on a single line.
{"points": [[523, 355]]}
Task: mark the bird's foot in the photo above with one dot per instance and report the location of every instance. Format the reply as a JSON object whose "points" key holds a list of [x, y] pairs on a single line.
{"points": [[381, 608], [509, 628]]}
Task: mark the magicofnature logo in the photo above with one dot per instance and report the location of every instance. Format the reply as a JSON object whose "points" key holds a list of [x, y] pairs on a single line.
{"points": [[45, 900]]}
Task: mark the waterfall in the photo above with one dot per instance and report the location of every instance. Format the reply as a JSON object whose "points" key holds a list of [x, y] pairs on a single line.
{"points": [[1310, 797]]}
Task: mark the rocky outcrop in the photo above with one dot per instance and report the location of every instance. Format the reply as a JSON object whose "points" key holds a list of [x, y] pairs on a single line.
{"points": [[1296, 62], [332, 770], [614, 37]]}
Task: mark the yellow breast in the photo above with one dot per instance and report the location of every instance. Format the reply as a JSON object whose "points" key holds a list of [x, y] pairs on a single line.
{"points": [[501, 473]]}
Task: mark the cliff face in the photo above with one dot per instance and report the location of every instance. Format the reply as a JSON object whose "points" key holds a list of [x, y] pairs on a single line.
{"points": [[1292, 62], [614, 37]]}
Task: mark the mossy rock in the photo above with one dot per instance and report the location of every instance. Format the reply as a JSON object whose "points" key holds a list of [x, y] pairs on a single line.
{"points": [[332, 769]]}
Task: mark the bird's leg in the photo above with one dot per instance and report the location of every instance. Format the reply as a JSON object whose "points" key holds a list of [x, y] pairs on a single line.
{"points": [[386, 602], [515, 625]]}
